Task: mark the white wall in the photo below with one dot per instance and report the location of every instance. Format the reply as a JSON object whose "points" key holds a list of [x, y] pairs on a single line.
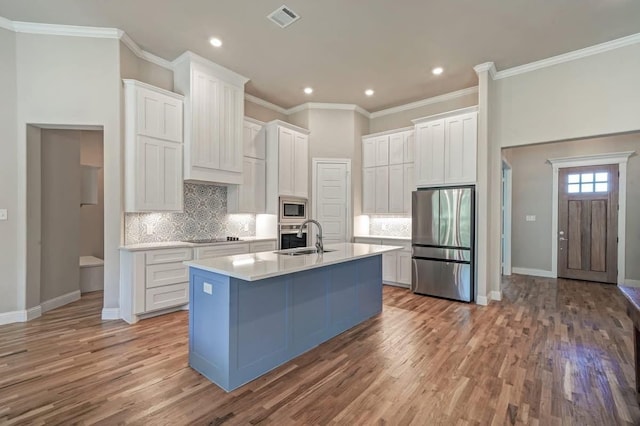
{"points": [[81, 86], [592, 96], [8, 172], [61, 180], [403, 118]]}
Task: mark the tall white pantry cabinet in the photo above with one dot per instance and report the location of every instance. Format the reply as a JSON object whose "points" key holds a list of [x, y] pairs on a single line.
{"points": [[153, 148], [214, 114]]}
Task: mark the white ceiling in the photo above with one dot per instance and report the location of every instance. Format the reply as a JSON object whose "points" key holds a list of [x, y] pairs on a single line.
{"points": [[342, 47]]}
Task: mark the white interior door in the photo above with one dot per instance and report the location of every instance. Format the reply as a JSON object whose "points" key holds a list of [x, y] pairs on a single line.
{"points": [[331, 200]]}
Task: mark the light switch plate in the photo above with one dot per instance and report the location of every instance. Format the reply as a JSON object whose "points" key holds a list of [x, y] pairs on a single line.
{"points": [[530, 218], [3, 214], [207, 288]]}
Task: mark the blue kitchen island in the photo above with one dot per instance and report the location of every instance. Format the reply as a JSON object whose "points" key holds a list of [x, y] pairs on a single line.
{"points": [[251, 313]]}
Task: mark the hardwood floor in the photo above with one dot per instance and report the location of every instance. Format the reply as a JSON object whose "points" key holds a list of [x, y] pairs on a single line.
{"points": [[552, 352]]}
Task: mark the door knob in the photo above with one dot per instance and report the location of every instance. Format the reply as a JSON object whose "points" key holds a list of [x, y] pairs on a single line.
{"points": [[563, 239]]}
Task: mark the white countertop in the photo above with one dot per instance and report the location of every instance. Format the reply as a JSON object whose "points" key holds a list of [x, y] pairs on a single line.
{"points": [[383, 237], [258, 266], [180, 244]]}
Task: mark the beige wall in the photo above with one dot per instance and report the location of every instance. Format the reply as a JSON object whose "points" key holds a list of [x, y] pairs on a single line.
{"points": [[532, 195], [80, 87], [8, 172], [592, 96], [61, 177], [403, 118], [92, 216], [138, 69], [261, 113], [34, 215]]}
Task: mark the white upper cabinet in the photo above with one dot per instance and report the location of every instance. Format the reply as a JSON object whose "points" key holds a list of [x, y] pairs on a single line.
{"points": [[250, 196], [446, 147], [254, 139], [153, 149], [287, 163], [214, 113], [386, 159]]}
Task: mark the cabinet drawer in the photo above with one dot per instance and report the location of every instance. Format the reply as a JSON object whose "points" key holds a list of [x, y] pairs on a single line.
{"points": [[167, 296], [165, 274], [262, 246], [169, 255], [219, 251]]}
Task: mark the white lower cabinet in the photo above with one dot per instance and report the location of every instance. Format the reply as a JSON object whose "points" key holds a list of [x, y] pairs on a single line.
{"points": [[155, 280], [396, 265]]}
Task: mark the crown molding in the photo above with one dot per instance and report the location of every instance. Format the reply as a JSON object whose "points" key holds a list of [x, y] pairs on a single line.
{"points": [[570, 56], [441, 115], [266, 104], [389, 132], [65, 30], [425, 102], [6, 24], [220, 71], [593, 159], [288, 126], [143, 54], [487, 66], [323, 105]]}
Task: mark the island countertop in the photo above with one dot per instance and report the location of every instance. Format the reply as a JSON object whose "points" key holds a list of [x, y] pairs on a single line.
{"points": [[258, 266]]}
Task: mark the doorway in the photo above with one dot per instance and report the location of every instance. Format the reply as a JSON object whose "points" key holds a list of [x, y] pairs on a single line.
{"points": [[588, 223], [506, 218], [331, 198]]}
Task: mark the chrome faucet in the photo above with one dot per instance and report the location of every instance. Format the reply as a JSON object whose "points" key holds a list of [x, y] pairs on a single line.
{"points": [[319, 245]]}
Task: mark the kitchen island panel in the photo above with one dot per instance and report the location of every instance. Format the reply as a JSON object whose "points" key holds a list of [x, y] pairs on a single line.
{"points": [[272, 321]]}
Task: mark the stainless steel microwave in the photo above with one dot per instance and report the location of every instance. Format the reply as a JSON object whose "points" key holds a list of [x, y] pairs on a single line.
{"points": [[293, 210]]}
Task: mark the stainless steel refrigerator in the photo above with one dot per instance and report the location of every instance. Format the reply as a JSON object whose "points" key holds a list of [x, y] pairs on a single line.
{"points": [[442, 242]]}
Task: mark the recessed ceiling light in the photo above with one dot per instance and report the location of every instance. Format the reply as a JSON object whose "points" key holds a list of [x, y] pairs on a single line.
{"points": [[215, 42], [437, 71], [369, 92], [308, 90]]}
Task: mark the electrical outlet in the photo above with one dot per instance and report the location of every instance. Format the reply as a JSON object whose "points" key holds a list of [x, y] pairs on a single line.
{"points": [[530, 218], [3, 214], [149, 228], [246, 227], [207, 288]]}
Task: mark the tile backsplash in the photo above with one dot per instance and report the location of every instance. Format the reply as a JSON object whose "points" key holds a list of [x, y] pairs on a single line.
{"points": [[390, 226], [205, 216]]}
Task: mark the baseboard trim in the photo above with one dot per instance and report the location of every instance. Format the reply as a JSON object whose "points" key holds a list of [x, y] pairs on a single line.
{"points": [[20, 316], [56, 302], [632, 283], [482, 300], [533, 272], [496, 295], [111, 313]]}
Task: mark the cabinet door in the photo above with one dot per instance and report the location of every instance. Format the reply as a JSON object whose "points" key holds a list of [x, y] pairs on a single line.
{"points": [[429, 162], [382, 189], [259, 186], [409, 186], [382, 151], [460, 150], [396, 148], [247, 189], [409, 146], [369, 190], [301, 166], [158, 178], [368, 153], [205, 138], [158, 115], [389, 266], [231, 113], [254, 141], [404, 267], [285, 161], [396, 189]]}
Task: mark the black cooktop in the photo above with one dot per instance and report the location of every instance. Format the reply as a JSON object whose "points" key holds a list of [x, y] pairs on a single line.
{"points": [[212, 240]]}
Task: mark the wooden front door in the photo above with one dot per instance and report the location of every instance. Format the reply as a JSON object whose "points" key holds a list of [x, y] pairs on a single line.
{"points": [[588, 223]]}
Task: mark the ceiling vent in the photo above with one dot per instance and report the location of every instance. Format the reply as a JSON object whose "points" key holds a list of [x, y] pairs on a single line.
{"points": [[283, 16]]}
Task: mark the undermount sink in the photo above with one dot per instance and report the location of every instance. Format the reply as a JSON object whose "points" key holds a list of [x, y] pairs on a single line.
{"points": [[300, 252]]}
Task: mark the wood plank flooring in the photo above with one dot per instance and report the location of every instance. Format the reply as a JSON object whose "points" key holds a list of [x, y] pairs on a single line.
{"points": [[552, 352]]}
